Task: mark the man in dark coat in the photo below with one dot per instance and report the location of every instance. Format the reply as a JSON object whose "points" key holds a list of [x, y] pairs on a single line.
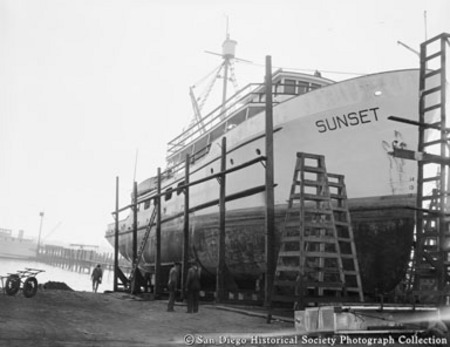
{"points": [[96, 277], [193, 288], [173, 285]]}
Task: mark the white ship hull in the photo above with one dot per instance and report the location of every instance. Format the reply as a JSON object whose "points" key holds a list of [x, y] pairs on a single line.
{"points": [[347, 122]]}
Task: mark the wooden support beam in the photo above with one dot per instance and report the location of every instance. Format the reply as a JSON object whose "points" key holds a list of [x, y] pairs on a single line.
{"points": [[419, 156], [157, 289], [116, 239], [270, 210], [416, 123], [215, 202], [259, 159], [186, 226], [135, 226], [220, 286]]}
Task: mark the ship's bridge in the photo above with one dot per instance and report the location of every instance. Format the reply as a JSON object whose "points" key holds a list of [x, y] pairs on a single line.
{"points": [[243, 105]]}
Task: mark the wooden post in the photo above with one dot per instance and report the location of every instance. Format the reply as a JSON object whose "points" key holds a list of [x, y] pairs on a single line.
{"points": [[116, 238], [134, 223], [157, 203], [186, 226], [443, 221], [270, 200], [220, 284]]}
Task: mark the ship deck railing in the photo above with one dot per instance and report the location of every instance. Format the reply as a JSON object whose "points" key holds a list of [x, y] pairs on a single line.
{"points": [[215, 117], [234, 111]]}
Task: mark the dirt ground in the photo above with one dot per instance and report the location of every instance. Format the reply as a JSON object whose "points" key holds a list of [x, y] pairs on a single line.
{"points": [[64, 318]]}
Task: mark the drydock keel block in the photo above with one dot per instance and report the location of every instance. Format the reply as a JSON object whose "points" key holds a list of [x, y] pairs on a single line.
{"points": [[356, 319]]}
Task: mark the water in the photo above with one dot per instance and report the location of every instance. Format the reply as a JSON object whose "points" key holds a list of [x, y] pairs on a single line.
{"points": [[75, 280]]}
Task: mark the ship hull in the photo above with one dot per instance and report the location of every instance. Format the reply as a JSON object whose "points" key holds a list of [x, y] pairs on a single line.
{"points": [[348, 124], [16, 248], [383, 229]]}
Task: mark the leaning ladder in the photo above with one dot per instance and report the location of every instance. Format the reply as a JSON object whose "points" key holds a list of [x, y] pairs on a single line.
{"points": [[317, 242], [141, 249]]}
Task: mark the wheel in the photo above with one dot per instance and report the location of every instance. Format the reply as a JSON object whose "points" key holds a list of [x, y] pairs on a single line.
{"points": [[30, 287], [12, 285]]}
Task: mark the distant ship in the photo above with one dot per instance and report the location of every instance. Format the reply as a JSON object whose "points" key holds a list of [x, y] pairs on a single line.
{"points": [[16, 247], [347, 122]]}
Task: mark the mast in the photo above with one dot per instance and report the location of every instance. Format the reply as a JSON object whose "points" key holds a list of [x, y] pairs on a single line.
{"points": [[228, 53], [225, 68]]}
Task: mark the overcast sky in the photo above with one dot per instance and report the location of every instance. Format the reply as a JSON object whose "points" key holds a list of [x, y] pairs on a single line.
{"points": [[85, 84]]}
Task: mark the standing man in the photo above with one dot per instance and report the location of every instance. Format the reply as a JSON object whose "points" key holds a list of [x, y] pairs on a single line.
{"points": [[173, 285], [96, 277], [193, 288], [301, 291]]}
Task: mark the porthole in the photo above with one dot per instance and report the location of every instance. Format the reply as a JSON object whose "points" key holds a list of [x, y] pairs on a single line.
{"points": [[231, 161], [258, 151], [212, 170]]}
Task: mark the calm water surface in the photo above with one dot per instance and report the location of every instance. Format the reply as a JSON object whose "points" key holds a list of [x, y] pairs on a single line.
{"points": [[75, 280]]}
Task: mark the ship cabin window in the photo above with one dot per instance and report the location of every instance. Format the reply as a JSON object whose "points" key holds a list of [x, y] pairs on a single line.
{"points": [[200, 144], [146, 204], [201, 148], [186, 152], [216, 133], [237, 119], [254, 110], [277, 88], [303, 87], [180, 190], [289, 87], [201, 153], [168, 194]]}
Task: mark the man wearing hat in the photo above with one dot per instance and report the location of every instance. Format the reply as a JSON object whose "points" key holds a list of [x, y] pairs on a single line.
{"points": [[173, 285], [193, 288]]}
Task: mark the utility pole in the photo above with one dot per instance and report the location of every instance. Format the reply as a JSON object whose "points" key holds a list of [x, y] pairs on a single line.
{"points": [[41, 214]]}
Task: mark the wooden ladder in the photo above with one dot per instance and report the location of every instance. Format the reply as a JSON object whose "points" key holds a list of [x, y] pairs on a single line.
{"points": [[133, 274], [344, 230], [430, 268], [317, 241], [432, 253]]}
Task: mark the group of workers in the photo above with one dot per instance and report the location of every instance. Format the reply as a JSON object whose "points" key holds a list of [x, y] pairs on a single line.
{"points": [[192, 287]]}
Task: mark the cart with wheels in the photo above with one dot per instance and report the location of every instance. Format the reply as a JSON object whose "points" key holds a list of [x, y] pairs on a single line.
{"points": [[22, 279]]}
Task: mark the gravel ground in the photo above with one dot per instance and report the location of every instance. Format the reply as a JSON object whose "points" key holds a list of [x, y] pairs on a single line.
{"points": [[65, 318]]}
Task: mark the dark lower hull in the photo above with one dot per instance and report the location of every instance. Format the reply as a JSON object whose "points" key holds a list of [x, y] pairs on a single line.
{"points": [[383, 229]]}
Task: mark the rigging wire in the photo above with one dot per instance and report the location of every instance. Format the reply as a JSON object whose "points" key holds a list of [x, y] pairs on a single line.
{"points": [[208, 75], [210, 87]]}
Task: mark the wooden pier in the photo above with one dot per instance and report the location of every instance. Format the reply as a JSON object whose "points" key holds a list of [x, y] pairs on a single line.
{"points": [[77, 259]]}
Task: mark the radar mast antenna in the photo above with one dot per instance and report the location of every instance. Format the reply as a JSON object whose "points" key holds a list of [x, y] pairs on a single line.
{"points": [[228, 53]]}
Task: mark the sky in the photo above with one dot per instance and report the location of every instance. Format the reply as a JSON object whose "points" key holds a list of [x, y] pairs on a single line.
{"points": [[91, 90]]}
